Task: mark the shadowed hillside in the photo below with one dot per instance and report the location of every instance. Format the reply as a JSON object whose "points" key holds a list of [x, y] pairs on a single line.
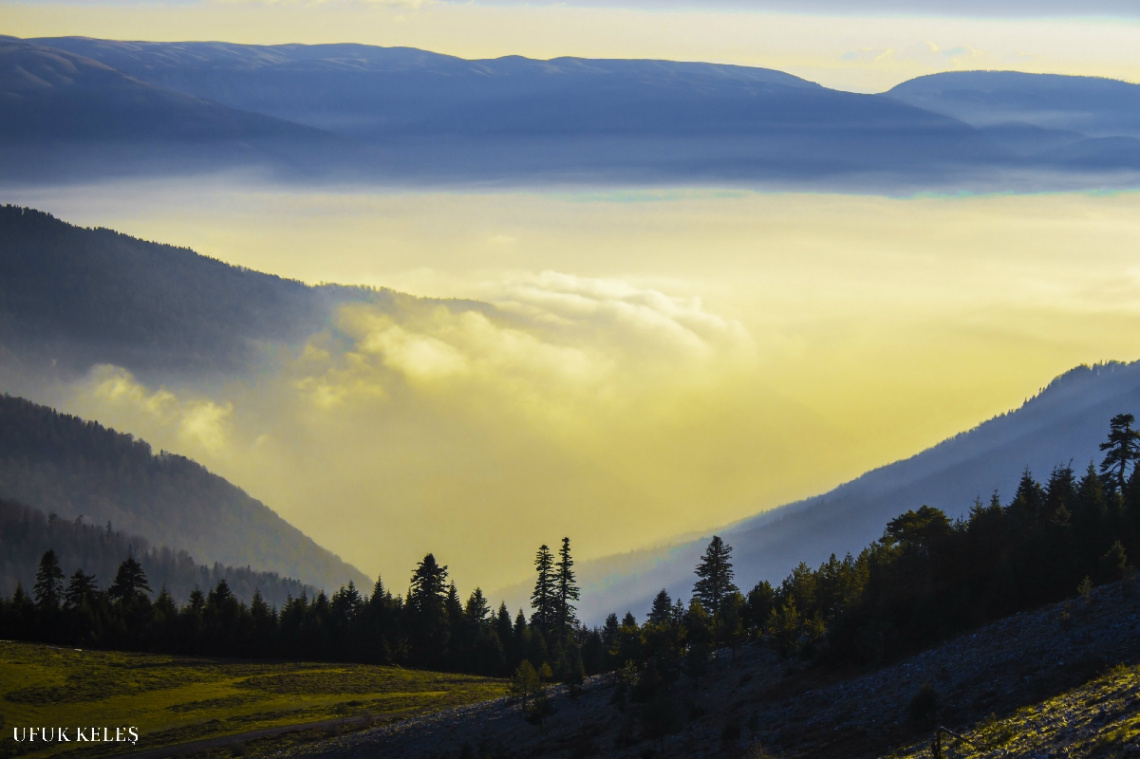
{"points": [[1065, 423], [27, 533], [83, 296], [74, 468]]}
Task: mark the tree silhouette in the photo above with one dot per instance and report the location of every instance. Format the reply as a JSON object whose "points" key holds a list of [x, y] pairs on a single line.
{"points": [[427, 615], [1123, 446], [48, 589], [568, 592], [130, 583], [542, 600], [715, 571]]}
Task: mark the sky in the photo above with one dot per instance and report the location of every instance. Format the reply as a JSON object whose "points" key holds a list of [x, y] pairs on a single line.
{"points": [[658, 362], [865, 47]]}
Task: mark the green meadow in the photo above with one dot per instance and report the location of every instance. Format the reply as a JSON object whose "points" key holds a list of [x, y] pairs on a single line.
{"points": [[173, 700]]}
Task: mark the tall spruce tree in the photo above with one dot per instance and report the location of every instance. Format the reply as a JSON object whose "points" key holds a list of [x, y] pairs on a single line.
{"points": [[48, 589], [568, 592], [715, 571], [1123, 447], [427, 613], [130, 583], [542, 600]]}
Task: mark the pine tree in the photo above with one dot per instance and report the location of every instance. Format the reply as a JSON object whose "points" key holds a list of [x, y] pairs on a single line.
{"points": [[48, 589], [81, 588], [662, 608], [503, 625], [130, 583], [545, 590], [1123, 446], [477, 608], [715, 571], [427, 612], [568, 592]]}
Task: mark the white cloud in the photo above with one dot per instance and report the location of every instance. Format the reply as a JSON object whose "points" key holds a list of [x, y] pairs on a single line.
{"points": [[199, 424]]}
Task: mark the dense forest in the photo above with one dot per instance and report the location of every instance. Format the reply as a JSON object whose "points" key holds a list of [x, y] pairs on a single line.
{"points": [[927, 578], [63, 465], [26, 534]]}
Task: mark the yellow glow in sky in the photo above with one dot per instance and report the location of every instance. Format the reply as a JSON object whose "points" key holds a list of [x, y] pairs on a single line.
{"points": [[658, 362], [859, 53]]}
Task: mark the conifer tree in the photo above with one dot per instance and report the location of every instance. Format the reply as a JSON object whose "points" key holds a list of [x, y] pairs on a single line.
{"points": [[427, 613], [715, 571], [48, 589], [568, 592], [1123, 446], [542, 600], [662, 608], [503, 624], [81, 588], [130, 583], [477, 608]]}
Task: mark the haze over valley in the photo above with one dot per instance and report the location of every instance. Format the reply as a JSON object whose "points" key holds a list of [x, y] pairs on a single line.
{"points": [[629, 301]]}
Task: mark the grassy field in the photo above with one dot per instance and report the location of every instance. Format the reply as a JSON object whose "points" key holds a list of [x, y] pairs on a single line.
{"points": [[1098, 719], [175, 700]]}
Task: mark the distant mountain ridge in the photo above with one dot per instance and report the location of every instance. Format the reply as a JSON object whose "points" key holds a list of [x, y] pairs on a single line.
{"points": [[357, 113], [1063, 424], [1076, 122], [73, 468]]}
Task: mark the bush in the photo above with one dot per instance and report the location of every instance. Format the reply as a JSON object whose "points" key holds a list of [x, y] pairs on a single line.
{"points": [[923, 707]]}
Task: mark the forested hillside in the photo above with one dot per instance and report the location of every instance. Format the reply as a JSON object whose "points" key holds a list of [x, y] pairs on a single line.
{"points": [[26, 534], [66, 466], [94, 295]]}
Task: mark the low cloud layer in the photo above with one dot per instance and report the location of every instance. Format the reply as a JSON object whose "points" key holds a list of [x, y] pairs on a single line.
{"points": [[617, 367], [571, 406]]}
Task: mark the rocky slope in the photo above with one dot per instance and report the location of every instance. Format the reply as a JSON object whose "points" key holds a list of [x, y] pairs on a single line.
{"points": [[758, 706]]}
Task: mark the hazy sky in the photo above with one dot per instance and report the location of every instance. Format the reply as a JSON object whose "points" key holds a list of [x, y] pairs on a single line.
{"points": [[857, 46], [661, 362]]}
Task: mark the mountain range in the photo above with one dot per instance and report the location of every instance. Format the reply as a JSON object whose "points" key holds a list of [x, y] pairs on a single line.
{"points": [[83, 108]]}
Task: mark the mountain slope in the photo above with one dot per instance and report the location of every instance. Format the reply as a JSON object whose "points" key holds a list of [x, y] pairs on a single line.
{"points": [[1064, 423], [82, 296], [72, 468]]}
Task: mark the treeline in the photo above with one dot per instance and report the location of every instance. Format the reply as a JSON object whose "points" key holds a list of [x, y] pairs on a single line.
{"points": [[927, 578], [26, 534], [431, 628]]}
